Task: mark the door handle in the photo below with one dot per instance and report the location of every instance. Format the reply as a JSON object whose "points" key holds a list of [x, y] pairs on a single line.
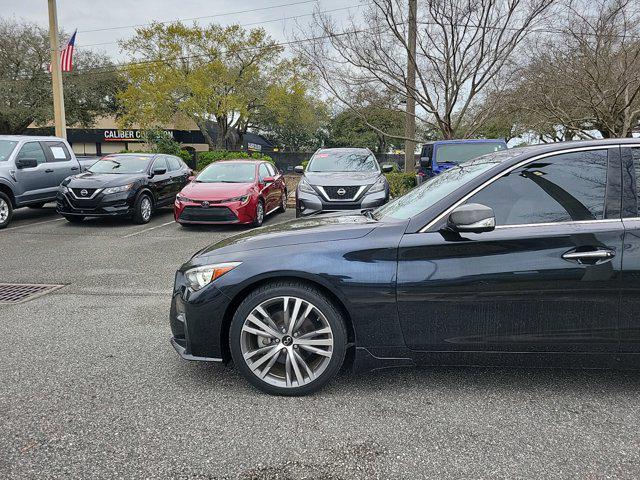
{"points": [[49, 170], [590, 257], [74, 168]]}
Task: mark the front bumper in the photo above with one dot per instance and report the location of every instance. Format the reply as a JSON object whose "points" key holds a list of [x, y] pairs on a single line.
{"points": [[215, 213], [119, 204], [196, 320], [309, 203]]}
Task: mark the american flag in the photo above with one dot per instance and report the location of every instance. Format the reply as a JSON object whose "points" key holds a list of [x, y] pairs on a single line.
{"points": [[66, 55]]}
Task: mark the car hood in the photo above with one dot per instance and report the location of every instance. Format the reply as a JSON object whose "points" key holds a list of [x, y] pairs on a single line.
{"points": [[295, 232], [101, 180], [327, 179], [215, 191]]}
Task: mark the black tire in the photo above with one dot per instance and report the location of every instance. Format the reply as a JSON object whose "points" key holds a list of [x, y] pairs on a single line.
{"points": [[283, 203], [140, 214], [74, 218], [6, 210], [259, 218], [309, 294], [36, 205]]}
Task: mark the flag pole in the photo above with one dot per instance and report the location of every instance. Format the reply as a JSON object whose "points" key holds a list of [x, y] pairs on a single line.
{"points": [[56, 74]]}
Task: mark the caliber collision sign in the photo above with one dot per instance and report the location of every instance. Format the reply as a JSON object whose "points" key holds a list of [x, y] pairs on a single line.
{"points": [[122, 136]]}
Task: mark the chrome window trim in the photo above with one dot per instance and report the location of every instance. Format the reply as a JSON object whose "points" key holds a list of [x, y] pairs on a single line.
{"points": [[509, 170], [355, 197], [552, 224]]}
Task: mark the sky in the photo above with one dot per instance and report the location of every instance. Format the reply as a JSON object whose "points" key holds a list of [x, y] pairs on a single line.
{"points": [[86, 15]]}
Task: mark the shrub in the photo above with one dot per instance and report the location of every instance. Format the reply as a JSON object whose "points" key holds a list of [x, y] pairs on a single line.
{"points": [[205, 158], [304, 164], [400, 183]]}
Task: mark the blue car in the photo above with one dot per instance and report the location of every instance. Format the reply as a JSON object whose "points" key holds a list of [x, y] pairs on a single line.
{"points": [[441, 155]]}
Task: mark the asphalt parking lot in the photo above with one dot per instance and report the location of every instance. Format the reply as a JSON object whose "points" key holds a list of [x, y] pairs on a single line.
{"points": [[91, 387]]}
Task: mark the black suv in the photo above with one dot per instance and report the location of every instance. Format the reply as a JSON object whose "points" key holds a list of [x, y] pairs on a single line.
{"points": [[130, 185], [341, 179]]}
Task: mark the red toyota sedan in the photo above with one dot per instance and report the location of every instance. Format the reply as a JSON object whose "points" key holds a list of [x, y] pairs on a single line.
{"points": [[232, 191]]}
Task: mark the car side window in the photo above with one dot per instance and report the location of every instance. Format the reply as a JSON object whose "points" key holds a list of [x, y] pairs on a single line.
{"points": [[264, 173], [561, 188], [635, 153], [174, 164], [32, 150], [271, 169], [160, 162], [58, 151]]}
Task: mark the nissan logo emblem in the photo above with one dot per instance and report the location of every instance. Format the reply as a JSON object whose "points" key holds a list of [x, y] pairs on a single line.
{"points": [[205, 204], [84, 193], [341, 191]]}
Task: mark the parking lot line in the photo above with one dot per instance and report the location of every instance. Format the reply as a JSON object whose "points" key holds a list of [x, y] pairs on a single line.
{"points": [[149, 229], [31, 224]]}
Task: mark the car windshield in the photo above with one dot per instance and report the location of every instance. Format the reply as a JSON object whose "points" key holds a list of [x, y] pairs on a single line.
{"points": [[121, 164], [342, 161], [461, 152], [438, 187], [224, 172], [6, 147]]}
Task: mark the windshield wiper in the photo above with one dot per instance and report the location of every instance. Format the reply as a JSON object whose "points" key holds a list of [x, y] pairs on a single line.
{"points": [[368, 212]]}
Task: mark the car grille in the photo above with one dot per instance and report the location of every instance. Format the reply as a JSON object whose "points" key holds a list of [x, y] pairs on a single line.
{"points": [[341, 193], [212, 214], [83, 192]]}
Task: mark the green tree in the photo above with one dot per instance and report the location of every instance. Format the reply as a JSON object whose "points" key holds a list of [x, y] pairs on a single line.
{"points": [[292, 116], [25, 83], [201, 73], [371, 125]]}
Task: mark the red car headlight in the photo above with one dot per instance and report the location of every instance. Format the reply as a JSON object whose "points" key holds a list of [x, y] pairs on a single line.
{"points": [[182, 198], [244, 199]]}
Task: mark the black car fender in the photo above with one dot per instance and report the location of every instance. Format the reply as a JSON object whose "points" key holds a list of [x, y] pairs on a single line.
{"points": [[146, 189]]}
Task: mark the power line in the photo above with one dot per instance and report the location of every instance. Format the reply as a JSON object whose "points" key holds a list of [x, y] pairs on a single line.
{"points": [[225, 14], [253, 23]]}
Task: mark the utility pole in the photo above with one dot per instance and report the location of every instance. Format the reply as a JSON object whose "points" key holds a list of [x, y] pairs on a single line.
{"points": [[56, 74], [410, 116]]}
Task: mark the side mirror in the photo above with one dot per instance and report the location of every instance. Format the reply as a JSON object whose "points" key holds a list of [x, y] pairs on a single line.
{"points": [[299, 169], [26, 163], [473, 217], [387, 168], [159, 171], [268, 180]]}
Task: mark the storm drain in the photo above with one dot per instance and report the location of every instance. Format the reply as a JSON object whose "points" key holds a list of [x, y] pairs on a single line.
{"points": [[12, 293]]}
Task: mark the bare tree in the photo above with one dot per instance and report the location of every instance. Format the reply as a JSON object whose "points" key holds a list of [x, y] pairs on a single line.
{"points": [[587, 77], [463, 48]]}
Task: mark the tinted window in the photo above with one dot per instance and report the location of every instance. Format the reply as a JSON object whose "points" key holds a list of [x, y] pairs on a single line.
{"points": [[6, 147], [121, 164], [271, 169], [565, 187], [461, 152], [436, 188], [174, 164], [342, 161], [59, 152], [160, 162], [635, 152], [32, 150]]}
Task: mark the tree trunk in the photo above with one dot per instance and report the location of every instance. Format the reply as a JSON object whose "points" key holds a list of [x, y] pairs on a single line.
{"points": [[202, 126]]}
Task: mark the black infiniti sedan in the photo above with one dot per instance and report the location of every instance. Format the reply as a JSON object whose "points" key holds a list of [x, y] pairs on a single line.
{"points": [[131, 185], [524, 257]]}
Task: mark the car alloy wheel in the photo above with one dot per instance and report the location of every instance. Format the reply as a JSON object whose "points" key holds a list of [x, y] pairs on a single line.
{"points": [[4, 211], [259, 215], [283, 202], [286, 342], [145, 208]]}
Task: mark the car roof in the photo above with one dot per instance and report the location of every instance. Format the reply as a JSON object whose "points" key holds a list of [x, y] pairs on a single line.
{"points": [[559, 146], [240, 160], [17, 138]]}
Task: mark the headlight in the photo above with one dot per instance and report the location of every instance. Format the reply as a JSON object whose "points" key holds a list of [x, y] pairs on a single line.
{"points": [[123, 188], [380, 185], [244, 199], [182, 198], [199, 277], [305, 187]]}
